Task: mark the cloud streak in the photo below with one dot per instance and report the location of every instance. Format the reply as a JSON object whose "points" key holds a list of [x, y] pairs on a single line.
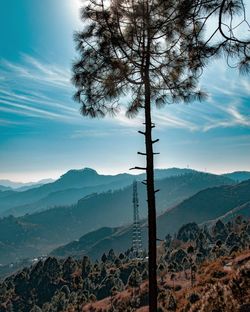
{"points": [[34, 70], [234, 118], [100, 133], [37, 111], [37, 89]]}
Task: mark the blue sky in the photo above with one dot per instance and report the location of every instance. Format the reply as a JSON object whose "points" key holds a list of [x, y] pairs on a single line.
{"points": [[43, 135]]}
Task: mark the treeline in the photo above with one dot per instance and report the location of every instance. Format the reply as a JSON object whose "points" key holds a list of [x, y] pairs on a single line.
{"points": [[72, 284]]}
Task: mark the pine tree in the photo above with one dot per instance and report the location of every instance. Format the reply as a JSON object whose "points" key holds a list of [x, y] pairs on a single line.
{"points": [[52, 267], [171, 305], [69, 267], [86, 267], [111, 255], [153, 51], [104, 258], [134, 279]]}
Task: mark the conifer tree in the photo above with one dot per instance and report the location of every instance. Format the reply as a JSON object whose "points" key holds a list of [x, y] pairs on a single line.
{"points": [[153, 51], [86, 267], [134, 278]]}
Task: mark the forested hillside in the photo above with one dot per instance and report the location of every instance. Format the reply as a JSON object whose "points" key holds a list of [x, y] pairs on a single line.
{"points": [[190, 266], [69, 188], [204, 207], [39, 233], [238, 176]]}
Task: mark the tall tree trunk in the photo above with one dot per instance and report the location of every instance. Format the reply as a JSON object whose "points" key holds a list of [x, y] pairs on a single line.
{"points": [[152, 253]]}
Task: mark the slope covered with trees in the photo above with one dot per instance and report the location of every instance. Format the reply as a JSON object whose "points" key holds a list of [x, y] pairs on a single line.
{"points": [[87, 180], [196, 262], [238, 176], [39, 233], [69, 188], [204, 207]]}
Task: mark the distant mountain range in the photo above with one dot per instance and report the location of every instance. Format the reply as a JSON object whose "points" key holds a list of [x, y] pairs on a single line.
{"points": [[4, 188], [21, 186], [223, 202], [72, 186], [238, 176], [205, 205], [39, 233]]}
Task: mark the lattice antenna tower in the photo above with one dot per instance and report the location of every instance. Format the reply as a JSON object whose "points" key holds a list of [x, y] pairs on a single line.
{"points": [[137, 240]]}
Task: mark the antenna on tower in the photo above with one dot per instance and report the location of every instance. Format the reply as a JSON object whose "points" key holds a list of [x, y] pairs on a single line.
{"points": [[137, 241]]}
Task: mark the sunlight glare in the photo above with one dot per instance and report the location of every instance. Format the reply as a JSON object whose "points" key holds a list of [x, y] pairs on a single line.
{"points": [[74, 6]]}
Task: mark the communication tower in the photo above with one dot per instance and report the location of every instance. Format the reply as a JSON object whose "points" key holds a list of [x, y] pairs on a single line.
{"points": [[137, 240]]}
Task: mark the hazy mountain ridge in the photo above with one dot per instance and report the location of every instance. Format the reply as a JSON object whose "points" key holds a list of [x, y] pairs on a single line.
{"points": [[73, 178], [85, 243], [224, 201], [35, 185], [87, 179], [207, 204], [48, 229], [23, 185], [62, 198], [238, 176], [242, 210], [5, 188], [75, 184]]}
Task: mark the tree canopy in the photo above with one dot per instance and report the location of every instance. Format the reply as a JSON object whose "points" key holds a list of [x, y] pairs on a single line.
{"points": [[121, 39]]}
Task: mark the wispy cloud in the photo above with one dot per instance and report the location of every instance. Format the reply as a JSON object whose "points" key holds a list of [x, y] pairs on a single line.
{"points": [[100, 133], [232, 118], [35, 88], [36, 99], [35, 70], [167, 120], [220, 80], [38, 112], [4, 122]]}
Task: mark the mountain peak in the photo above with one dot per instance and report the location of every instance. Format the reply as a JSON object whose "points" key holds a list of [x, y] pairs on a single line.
{"points": [[89, 170], [79, 177], [80, 172]]}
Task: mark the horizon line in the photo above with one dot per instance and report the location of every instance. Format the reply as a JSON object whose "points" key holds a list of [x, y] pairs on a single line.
{"points": [[56, 175]]}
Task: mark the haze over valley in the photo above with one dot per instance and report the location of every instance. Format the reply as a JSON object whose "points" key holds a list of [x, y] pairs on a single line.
{"points": [[82, 203]]}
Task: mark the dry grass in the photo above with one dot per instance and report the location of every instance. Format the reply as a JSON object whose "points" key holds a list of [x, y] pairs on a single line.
{"points": [[220, 284]]}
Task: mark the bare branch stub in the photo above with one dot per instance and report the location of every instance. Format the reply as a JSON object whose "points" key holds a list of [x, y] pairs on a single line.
{"points": [[141, 132], [155, 141], [138, 168]]}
